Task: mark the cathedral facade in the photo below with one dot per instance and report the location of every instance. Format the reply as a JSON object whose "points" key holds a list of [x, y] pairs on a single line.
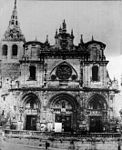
{"points": [[61, 87]]}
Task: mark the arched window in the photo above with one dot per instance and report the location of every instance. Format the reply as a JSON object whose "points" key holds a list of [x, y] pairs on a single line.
{"points": [[4, 50], [16, 22], [95, 70], [14, 50], [31, 104], [12, 22], [97, 103], [32, 70]]}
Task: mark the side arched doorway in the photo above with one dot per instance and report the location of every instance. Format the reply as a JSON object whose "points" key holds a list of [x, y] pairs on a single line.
{"points": [[97, 109], [31, 111], [64, 108]]}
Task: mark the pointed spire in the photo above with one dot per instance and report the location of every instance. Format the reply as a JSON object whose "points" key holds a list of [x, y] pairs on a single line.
{"points": [[14, 20], [13, 33], [64, 26], [14, 13], [15, 4], [47, 41], [56, 34], [60, 29], [47, 38], [81, 39], [72, 35], [72, 32], [92, 38], [36, 38]]}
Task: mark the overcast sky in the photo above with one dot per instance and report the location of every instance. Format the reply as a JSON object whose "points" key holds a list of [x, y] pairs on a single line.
{"points": [[103, 19], [38, 18]]}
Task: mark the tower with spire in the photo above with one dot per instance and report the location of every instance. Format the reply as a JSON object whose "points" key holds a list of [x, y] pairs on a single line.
{"points": [[13, 39], [11, 49]]}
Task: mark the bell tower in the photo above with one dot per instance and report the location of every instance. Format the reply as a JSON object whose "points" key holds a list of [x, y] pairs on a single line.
{"points": [[11, 50], [13, 40]]}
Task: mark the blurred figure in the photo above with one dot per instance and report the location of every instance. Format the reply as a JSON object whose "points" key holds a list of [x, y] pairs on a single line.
{"points": [[119, 144], [72, 145], [61, 140], [47, 145], [93, 144]]}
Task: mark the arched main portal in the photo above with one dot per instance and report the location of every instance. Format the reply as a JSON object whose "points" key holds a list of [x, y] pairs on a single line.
{"points": [[97, 108], [31, 105], [64, 108]]}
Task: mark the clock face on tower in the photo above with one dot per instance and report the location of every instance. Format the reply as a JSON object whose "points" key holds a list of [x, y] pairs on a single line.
{"points": [[64, 72]]}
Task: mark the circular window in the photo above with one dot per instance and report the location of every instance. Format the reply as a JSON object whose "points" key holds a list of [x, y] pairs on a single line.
{"points": [[64, 72]]}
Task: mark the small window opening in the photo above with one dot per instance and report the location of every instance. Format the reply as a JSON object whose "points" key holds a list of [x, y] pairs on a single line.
{"points": [[4, 50], [32, 70], [12, 22], [14, 50], [95, 73]]}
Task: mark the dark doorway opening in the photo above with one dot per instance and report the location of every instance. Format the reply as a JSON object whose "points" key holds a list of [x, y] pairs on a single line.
{"points": [[65, 120], [31, 122], [96, 124]]}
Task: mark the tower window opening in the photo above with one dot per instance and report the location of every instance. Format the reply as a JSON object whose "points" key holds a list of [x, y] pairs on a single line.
{"points": [[14, 50], [4, 50], [12, 22], [32, 70], [95, 73]]}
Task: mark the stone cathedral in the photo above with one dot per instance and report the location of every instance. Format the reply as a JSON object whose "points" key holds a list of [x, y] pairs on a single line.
{"points": [[61, 87]]}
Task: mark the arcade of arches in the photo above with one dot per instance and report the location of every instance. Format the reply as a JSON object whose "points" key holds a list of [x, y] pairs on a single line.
{"points": [[64, 109]]}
